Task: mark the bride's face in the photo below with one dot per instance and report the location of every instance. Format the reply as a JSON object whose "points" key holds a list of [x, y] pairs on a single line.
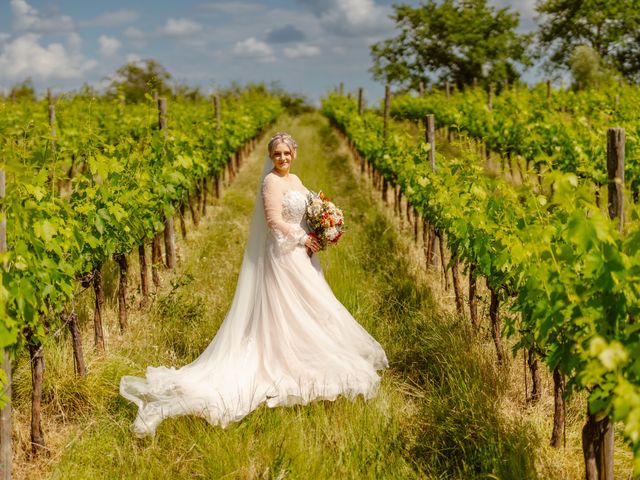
{"points": [[282, 158]]}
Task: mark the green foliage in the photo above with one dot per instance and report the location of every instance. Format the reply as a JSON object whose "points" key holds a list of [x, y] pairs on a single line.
{"points": [[565, 132], [184, 91], [137, 79], [107, 187], [610, 28], [418, 425], [22, 91], [587, 68], [295, 104], [457, 40], [572, 275]]}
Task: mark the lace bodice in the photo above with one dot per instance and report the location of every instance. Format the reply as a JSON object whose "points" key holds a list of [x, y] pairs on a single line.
{"points": [[284, 209], [294, 204]]}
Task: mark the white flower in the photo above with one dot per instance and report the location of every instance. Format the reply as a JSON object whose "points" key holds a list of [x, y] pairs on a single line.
{"points": [[331, 233], [314, 210]]}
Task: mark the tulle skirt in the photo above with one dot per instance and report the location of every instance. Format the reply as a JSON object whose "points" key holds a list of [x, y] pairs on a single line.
{"points": [[291, 343]]}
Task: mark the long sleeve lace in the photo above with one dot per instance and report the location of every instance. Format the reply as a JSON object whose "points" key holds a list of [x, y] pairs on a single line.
{"points": [[287, 235]]}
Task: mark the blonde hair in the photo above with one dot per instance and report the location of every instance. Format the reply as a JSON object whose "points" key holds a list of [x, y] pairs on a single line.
{"points": [[282, 137]]}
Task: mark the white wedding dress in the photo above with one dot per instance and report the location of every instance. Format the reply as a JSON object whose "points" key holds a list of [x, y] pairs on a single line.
{"points": [[285, 340]]}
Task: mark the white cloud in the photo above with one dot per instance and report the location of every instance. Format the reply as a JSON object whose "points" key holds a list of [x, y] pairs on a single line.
{"points": [[180, 27], [136, 37], [4, 37], [233, 8], [27, 18], [108, 45], [26, 57], [351, 17], [104, 83], [74, 41], [251, 47], [301, 50], [133, 57], [132, 33], [183, 28], [111, 19], [526, 9]]}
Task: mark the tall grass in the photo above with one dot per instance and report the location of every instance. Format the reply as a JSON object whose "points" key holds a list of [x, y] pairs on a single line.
{"points": [[437, 412]]}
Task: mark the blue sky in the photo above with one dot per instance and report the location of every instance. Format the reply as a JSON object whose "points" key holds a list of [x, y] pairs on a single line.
{"points": [[308, 46]]}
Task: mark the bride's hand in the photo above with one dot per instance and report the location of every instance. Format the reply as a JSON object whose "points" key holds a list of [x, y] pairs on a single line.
{"points": [[312, 243]]}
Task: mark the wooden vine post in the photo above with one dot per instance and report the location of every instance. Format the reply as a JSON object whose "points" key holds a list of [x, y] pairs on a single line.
{"points": [[443, 261], [169, 236], [36, 354], [216, 185], [204, 196], [558, 407], [457, 289], [598, 435], [195, 215], [5, 413], [123, 283], [615, 169], [536, 380], [169, 242], [387, 109], [496, 324], [473, 300], [156, 258], [71, 319], [360, 101], [387, 112], [144, 273], [97, 310]]}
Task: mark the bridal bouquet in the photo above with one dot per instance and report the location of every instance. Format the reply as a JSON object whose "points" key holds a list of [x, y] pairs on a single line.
{"points": [[324, 218]]}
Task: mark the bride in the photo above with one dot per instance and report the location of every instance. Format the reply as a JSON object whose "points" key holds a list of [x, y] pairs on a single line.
{"points": [[286, 339]]}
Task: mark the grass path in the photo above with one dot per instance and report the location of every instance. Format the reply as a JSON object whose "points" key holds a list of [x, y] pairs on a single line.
{"points": [[437, 412]]}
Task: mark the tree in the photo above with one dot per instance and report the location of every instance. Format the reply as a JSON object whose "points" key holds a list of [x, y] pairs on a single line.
{"points": [[135, 79], [588, 69], [23, 91], [612, 29], [458, 40], [183, 90]]}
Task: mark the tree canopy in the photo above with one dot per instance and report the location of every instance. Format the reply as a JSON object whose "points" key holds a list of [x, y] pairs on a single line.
{"points": [[23, 91], [458, 40], [587, 68], [612, 29], [135, 79]]}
